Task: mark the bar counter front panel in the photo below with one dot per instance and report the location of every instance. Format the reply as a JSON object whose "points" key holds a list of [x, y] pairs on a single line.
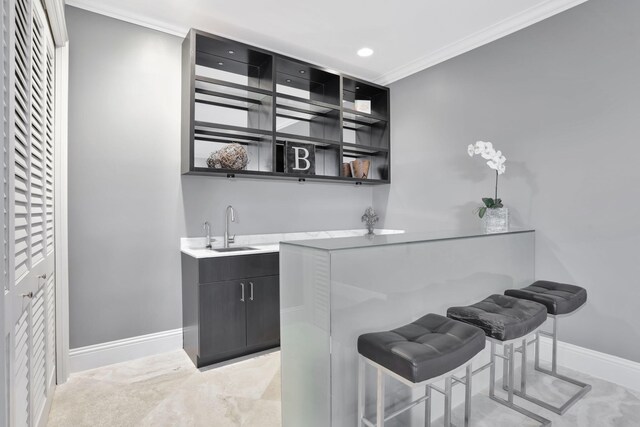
{"points": [[332, 292]]}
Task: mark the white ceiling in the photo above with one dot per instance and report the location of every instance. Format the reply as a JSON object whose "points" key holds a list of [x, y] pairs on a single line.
{"points": [[406, 35]]}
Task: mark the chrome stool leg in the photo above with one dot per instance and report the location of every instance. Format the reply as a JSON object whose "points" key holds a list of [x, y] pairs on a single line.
{"points": [[505, 368], [467, 395], [361, 385], [427, 407], [523, 370], [380, 400], [509, 360], [447, 402], [584, 388]]}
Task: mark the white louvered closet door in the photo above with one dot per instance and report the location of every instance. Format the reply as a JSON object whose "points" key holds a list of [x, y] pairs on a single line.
{"points": [[31, 284]]}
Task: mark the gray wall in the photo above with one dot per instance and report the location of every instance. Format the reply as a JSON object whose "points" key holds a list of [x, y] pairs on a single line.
{"points": [[129, 205], [561, 99]]}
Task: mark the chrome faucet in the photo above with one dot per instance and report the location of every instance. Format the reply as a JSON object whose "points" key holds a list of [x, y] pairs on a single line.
{"points": [[207, 228], [228, 240]]}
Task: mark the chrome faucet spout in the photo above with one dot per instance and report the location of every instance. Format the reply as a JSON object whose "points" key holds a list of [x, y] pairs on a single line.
{"points": [[229, 214]]}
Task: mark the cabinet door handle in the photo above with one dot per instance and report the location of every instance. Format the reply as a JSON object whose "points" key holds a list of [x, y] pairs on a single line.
{"points": [[251, 296], [242, 297]]}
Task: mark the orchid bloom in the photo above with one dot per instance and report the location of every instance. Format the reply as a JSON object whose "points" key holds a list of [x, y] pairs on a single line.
{"points": [[495, 159]]}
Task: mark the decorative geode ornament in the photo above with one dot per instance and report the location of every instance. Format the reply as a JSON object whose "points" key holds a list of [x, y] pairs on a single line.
{"points": [[233, 156]]}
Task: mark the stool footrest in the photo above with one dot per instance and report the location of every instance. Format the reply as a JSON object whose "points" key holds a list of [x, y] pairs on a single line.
{"points": [[367, 422], [543, 421], [482, 368], [519, 349], [584, 389], [407, 407]]}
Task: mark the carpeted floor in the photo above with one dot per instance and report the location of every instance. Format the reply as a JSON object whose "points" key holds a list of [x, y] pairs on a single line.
{"points": [[167, 390]]}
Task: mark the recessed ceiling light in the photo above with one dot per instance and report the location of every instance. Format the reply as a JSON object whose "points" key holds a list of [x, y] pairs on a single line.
{"points": [[365, 51], [357, 87], [302, 71], [288, 80], [232, 52], [220, 63]]}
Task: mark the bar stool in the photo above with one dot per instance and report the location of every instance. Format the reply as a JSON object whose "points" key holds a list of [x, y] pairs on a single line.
{"points": [[419, 354], [561, 300], [505, 320]]}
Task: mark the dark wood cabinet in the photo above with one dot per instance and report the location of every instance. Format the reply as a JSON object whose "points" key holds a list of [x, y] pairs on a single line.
{"points": [[230, 306], [234, 94], [263, 311], [222, 319]]}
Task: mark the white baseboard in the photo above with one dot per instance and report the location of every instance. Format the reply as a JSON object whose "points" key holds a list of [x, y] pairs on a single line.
{"points": [[600, 365], [95, 356]]}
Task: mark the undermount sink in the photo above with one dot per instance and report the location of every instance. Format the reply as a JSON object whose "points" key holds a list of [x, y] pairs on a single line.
{"points": [[234, 249]]}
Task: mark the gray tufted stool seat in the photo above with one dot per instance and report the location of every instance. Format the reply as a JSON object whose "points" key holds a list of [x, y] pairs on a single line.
{"points": [[559, 298], [419, 354], [427, 348], [502, 317]]}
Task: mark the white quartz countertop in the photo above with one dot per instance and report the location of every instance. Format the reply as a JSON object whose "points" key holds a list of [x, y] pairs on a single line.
{"points": [[381, 239], [266, 243]]}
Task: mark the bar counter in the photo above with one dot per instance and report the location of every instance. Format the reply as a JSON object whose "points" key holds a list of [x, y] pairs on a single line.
{"points": [[333, 290]]}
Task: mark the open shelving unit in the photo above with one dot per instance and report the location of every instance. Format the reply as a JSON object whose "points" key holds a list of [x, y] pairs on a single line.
{"points": [[236, 93]]}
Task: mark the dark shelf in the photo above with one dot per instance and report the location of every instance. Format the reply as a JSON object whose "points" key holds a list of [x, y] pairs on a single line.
{"points": [[286, 100], [364, 181], [280, 136], [208, 171], [362, 149], [231, 85], [233, 92], [230, 128], [282, 175], [215, 132], [225, 138], [297, 113], [225, 100], [228, 95], [362, 118], [306, 111]]}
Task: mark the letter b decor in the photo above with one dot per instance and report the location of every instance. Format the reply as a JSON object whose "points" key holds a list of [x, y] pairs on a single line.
{"points": [[301, 158]]}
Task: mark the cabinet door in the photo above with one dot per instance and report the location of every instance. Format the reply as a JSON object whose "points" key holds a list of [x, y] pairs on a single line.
{"points": [[263, 311], [222, 318]]}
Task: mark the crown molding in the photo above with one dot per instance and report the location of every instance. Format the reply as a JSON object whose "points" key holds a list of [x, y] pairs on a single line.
{"points": [[143, 21], [161, 26], [503, 28], [487, 35]]}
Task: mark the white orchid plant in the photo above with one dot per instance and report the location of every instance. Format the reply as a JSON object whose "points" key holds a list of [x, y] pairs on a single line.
{"points": [[496, 161]]}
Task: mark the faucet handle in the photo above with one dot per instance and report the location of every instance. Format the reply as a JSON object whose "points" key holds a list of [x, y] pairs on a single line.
{"points": [[207, 227], [232, 239]]}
